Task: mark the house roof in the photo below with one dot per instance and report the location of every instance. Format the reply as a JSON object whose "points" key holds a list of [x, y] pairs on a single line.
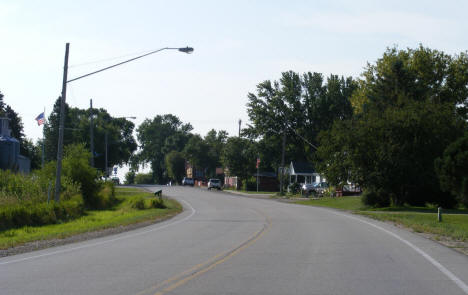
{"points": [[266, 174], [302, 168]]}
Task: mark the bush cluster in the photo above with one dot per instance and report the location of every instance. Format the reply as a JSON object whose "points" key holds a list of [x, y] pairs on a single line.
{"points": [[249, 184], [17, 188], [294, 188], [376, 198], [144, 178], [31, 214], [142, 203]]}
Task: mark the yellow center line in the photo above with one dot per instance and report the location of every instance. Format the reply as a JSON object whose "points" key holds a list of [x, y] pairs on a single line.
{"points": [[201, 268]]}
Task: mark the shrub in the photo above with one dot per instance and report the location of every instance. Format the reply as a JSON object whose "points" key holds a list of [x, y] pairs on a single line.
{"points": [[33, 214], [106, 196], [294, 188], [158, 203], [375, 198], [144, 178], [76, 167], [130, 177], [137, 203], [249, 184]]}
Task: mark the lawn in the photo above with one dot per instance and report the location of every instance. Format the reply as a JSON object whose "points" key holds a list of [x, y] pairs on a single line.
{"points": [[344, 203], [121, 214], [454, 223], [250, 192]]}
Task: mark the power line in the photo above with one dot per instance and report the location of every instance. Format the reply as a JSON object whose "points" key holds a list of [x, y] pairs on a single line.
{"points": [[308, 142]]}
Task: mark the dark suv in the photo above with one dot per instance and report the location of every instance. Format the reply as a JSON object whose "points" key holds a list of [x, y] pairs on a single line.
{"points": [[187, 181]]}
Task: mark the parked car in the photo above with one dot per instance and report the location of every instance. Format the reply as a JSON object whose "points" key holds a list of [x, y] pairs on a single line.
{"points": [[314, 188], [307, 188], [187, 181], [321, 187], [214, 183]]}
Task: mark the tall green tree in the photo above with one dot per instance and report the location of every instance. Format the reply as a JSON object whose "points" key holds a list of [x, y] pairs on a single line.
{"points": [[153, 135], [196, 153], [120, 141], [406, 114], [240, 157], [420, 74], [216, 142], [300, 107], [175, 165], [452, 169]]}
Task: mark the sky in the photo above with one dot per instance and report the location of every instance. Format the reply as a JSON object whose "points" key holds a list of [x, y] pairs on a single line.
{"points": [[238, 44]]}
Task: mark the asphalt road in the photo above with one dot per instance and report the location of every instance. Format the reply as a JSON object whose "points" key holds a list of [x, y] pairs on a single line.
{"points": [[227, 244]]}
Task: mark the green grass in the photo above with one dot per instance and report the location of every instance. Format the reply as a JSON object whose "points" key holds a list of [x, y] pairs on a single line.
{"points": [[121, 214], [250, 192], [454, 223], [454, 226], [344, 203]]}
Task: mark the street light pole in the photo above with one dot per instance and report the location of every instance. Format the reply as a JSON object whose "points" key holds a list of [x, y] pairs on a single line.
{"points": [[61, 126], [187, 50], [91, 131]]}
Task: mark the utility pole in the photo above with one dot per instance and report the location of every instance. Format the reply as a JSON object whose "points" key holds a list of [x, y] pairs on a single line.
{"points": [[61, 126], [258, 168], [43, 139], [91, 131], [240, 122], [105, 159], [282, 162]]}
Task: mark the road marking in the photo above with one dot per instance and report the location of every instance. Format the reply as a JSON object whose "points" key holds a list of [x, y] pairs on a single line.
{"points": [[106, 241], [199, 269], [434, 262]]}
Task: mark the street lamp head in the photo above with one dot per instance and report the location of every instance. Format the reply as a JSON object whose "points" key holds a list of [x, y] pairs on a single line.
{"points": [[187, 49]]}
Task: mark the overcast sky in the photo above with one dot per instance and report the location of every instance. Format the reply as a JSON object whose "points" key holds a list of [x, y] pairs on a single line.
{"points": [[237, 45]]}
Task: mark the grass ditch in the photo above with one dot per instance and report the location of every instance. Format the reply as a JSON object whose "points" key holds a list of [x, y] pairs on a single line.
{"points": [[123, 213], [452, 231]]}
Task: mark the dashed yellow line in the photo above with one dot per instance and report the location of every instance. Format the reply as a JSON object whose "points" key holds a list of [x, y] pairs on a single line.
{"points": [[199, 269]]}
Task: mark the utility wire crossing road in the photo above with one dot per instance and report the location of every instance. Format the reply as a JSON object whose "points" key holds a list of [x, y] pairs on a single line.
{"points": [[226, 244]]}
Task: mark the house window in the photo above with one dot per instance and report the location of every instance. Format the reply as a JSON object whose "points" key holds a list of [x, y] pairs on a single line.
{"points": [[313, 178]]}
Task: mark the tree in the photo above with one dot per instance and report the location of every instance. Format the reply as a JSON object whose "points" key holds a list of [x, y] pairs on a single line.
{"points": [[121, 143], [239, 157], [300, 107], [196, 152], [175, 165], [420, 74], [392, 152], [215, 142], [51, 131], [153, 136], [408, 108], [452, 169]]}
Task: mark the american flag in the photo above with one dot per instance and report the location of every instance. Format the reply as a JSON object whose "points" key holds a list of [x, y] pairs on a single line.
{"points": [[40, 119]]}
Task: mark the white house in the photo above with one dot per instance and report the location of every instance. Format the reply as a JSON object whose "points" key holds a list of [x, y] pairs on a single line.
{"points": [[304, 172]]}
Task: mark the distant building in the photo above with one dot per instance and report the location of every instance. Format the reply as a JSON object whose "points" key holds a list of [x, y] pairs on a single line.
{"points": [[304, 172], [10, 159]]}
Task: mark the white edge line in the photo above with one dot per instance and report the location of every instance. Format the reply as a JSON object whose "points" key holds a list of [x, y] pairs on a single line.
{"points": [[106, 241], [439, 266]]}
